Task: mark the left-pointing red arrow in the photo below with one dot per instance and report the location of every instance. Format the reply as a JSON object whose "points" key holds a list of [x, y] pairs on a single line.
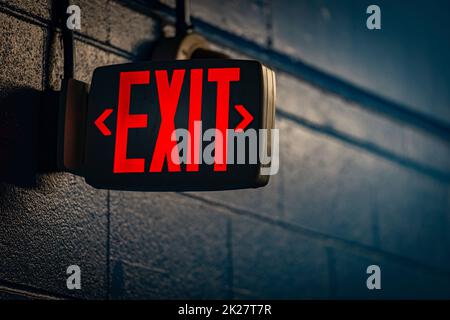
{"points": [[100, 122]]}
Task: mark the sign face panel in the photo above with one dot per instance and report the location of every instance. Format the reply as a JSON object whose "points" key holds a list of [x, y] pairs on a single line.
{"points": [[180, 125]]}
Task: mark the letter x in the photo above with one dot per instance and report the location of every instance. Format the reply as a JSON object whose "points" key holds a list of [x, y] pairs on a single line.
{"points": [[168, 95]]}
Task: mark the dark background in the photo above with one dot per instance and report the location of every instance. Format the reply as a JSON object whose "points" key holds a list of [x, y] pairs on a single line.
{"points": [[364, 121]]}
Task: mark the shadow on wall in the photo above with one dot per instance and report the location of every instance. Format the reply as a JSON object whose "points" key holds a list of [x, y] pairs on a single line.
{"points": [[27, 135], [28, 117]]}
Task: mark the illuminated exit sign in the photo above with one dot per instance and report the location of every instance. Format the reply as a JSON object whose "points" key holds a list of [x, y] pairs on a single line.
{"points": [[181, 125]]}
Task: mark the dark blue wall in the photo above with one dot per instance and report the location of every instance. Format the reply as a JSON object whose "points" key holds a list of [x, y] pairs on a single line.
{"points": [[406, 61], [363, 181]]}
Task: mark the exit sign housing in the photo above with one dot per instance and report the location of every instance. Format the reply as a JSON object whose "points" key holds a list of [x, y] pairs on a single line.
{"points": [[135, 112]]}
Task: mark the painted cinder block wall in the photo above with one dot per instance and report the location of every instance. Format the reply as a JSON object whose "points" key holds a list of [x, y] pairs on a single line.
{"points": [[356, 187]]}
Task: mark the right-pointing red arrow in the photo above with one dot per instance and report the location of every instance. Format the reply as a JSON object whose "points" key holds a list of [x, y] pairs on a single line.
{"points": [[100, 122], [246, 115]]}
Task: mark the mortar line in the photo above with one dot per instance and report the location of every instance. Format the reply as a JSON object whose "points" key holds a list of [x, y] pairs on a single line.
{"points": [[30, 292], [47, 24], [367, 146], [322, 238]]}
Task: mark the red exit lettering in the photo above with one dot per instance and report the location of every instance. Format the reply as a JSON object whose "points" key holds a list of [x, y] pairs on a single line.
{"points": [[168, 95]]}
